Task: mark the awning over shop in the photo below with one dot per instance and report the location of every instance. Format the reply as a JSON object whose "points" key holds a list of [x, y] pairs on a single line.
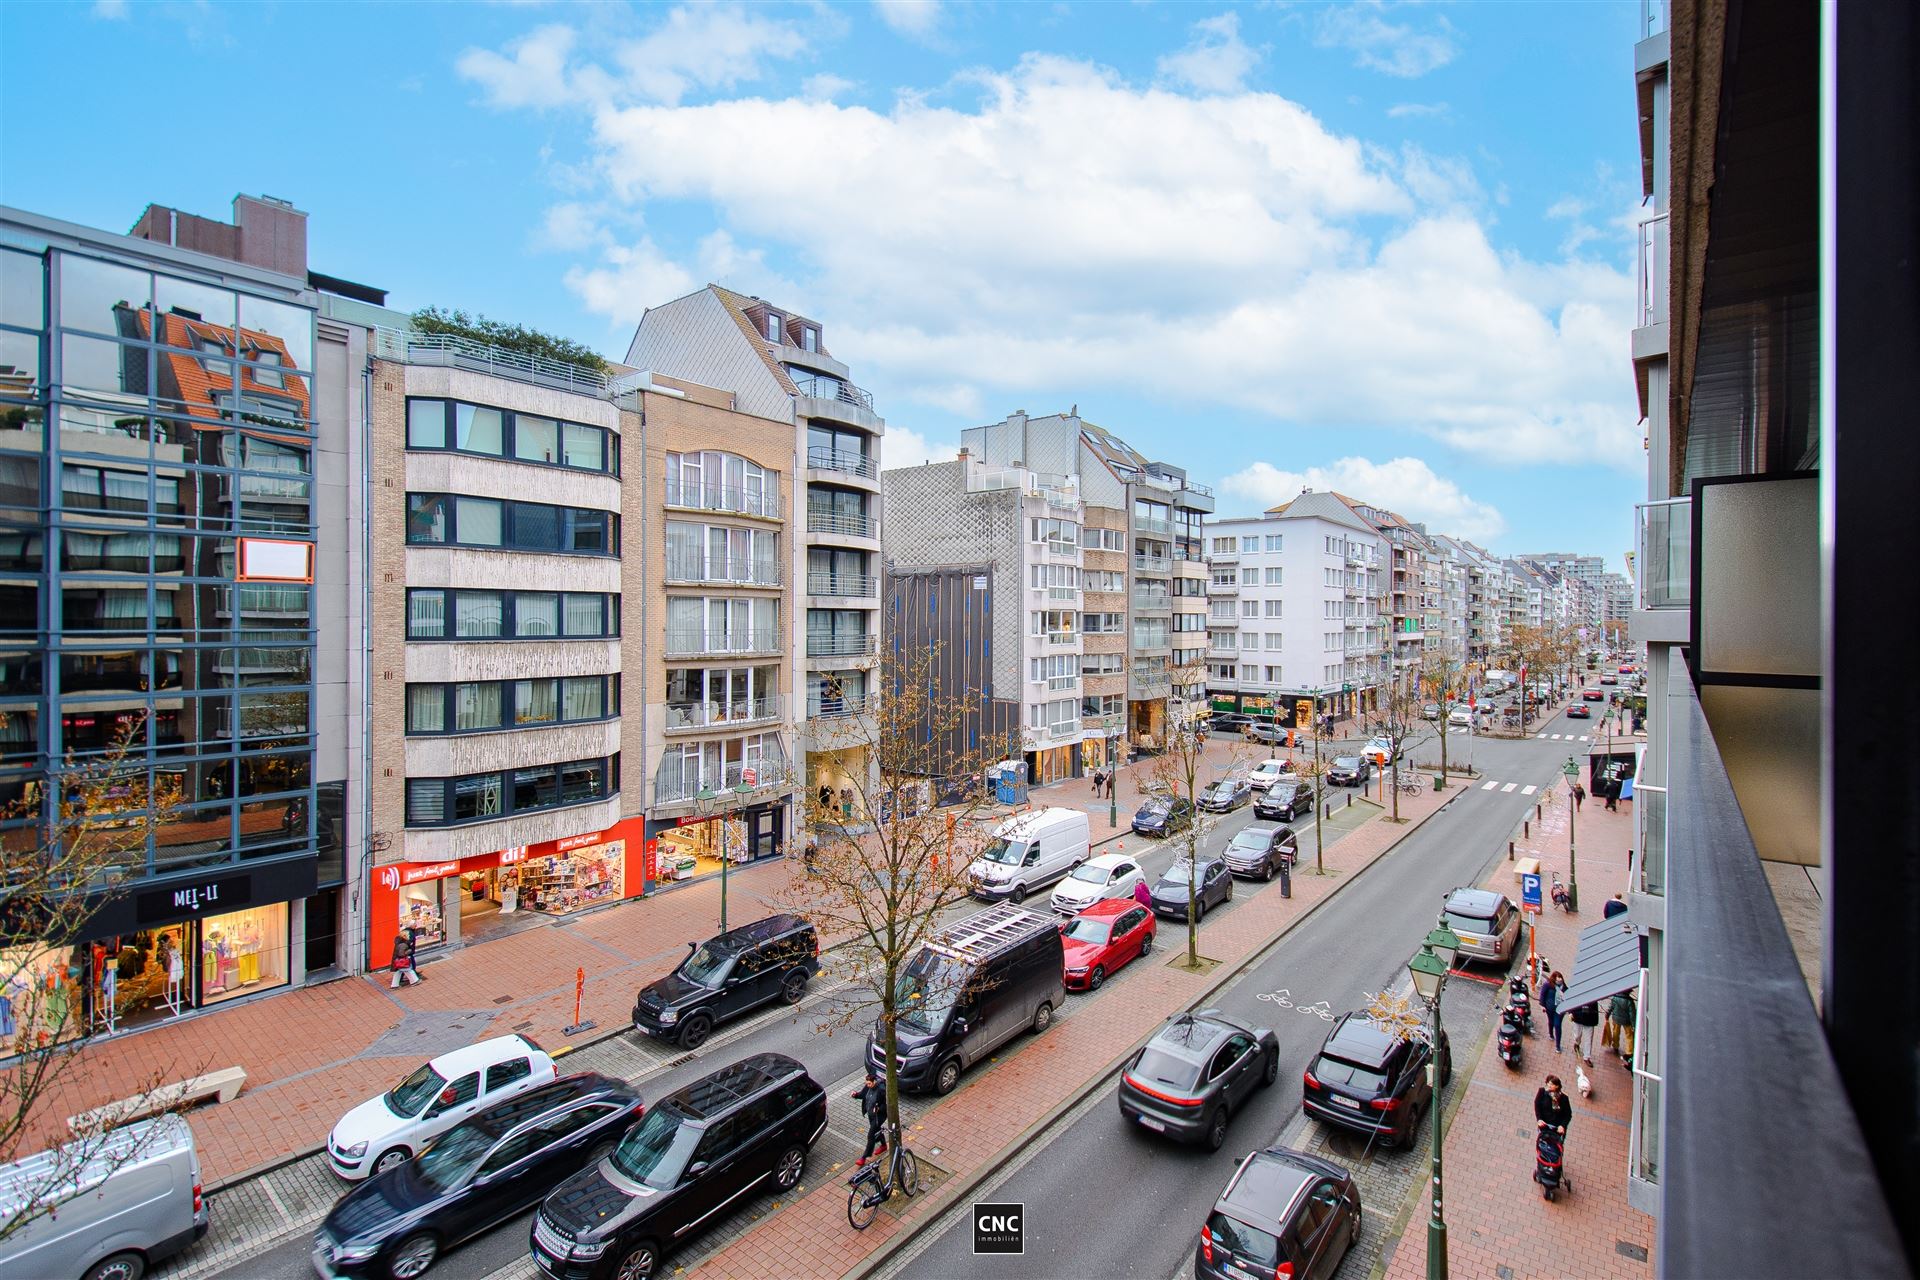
{"points": [[1606, 963]]}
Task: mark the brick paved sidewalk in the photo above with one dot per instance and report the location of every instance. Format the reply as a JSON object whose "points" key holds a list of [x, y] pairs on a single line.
{"points": [[1497, 1222], [983, 1121]]}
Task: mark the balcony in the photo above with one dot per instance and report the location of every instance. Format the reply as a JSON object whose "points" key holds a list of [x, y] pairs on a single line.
{"points": [[1650, 320], [1223, 588], [820, 388], [712, 713], [840, 646], [852, 586], [1153, 525], [675, 785], [1231, 556], [1663, 577], [1054, 733], [1060, 684], [832, 400], [698, 644], [844, 707], [841, 462], [1152, 602], [1057, 595], [451, 351], [732, 499], [837, 524], [1153, 564], [695, 569], [1063, 637], [1059, 549]]}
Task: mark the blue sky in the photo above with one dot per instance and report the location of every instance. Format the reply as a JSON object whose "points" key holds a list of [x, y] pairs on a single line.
{"points": [[1384, 248]]}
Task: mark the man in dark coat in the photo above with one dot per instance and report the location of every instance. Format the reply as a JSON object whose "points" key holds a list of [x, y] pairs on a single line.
{"points": [[872, 1096]]}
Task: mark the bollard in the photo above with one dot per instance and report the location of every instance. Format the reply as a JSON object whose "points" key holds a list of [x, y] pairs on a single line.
{"points": [[1526, 829], [1509, 851]]}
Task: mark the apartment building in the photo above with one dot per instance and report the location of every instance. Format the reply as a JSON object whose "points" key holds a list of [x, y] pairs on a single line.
{"points": [[1405, 601], [775, 365], [1157, 514], [985, 565], [179, 437]]}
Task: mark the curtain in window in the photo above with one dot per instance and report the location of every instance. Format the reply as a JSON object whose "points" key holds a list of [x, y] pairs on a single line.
{"points": [[683, 549], [536, 613], [479, 522], [476, 706], [426, 708], [123, 605], [536, 701], [477, 614], [685, 629], [80, 486], [126, 489], [426, 615], [583, 616], [583, 699], [426, 803]]}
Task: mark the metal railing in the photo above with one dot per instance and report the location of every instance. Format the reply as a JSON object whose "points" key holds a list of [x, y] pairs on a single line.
{"points": [[702, 715], [695, 496], [1063, 637], [821, 458], [1152, 564], [853, 526], [755, 573], [1154, 525], [673, 785], [1663, 577], [1651, 272], [456, 352], [695, 643], [840, 646], [821, 582], [822, 387], [1059, 684], [820, 707], [1653, 17]]}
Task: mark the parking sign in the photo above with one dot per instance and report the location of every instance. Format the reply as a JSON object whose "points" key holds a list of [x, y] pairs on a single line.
{"points": [[1530, 891]]}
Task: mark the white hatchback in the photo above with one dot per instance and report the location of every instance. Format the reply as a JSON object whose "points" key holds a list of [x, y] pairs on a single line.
{"points": [[1111, 875], [390, 1129], [1268, 772]]}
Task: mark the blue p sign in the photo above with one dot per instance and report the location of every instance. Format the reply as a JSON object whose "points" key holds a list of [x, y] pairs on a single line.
{"points": [[1530, 890]]}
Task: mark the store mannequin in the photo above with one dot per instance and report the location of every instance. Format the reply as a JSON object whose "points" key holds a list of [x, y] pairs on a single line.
{"points": [[107, 1012], [168, 957]]}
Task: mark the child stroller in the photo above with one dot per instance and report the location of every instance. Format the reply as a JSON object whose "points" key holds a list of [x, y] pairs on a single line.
{"points": [[1549, 1152]]}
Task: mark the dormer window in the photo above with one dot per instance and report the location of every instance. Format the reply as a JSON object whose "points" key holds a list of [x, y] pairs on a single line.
{"points": [[774, 328], [809, 338]]}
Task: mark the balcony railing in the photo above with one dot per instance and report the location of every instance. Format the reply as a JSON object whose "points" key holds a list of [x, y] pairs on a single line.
{"points": [[1223, 588], [1054, 732], [1653, 17], [1058, 684], [753, 573], [852, 526], [1061, 550], [1153, 525], [695, 643], [1063, 637], [822, 707], [456, 352], [824, 388], [1223, 557], [1652, 272], [1158, 601], [839, 646], [675, 785], [1065, 595], [1663, 577], [821, 458], [821, 582], [719, 497], [1152, 564], [738, 711]]}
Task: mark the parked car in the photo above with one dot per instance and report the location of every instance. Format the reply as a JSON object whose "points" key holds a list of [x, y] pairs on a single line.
{"points": [[729, 975], [1259, 849], [1372, 1081], [1593, 695], [979, 983], [1213, 885], [1609, 679], [1269, 771], [1284, 1213], [1579, 711], [1197, 1070], [1284, 801], [1488, 924], [473, 1177], [696, 1153], [1627, 670], [1163, 815], [1226, 795], [1227, 721], [385, 1131], [1430, 712], [1379, 751], [1101, 939], [1111, 875], [1461, 717], [1029, 851], [136, 1203], [1265, 731], [1349, 771]]}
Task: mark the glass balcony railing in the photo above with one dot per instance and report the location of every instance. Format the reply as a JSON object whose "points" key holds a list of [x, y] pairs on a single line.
{"points": [[694, 496], [1664, 563], [702, 715], [696, 568], [1653, 17], [694, 643], [1652, 272]]}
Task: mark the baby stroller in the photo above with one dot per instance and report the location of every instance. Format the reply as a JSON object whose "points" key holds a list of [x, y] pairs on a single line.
{"points": [[1549, 1152]]}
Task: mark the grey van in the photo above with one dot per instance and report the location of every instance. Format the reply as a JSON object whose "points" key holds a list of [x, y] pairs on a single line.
{"points": [[981, 982], [121, 1204]]}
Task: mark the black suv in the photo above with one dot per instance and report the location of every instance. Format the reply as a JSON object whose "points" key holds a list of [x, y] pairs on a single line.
{"points": [[1258, 850], [771, 959], [1212, 884], [1284, 1213], [1372, 1081], [1349, 771], [694, 1156], [1284, 801], [1198, 1069], [1163, 815]]}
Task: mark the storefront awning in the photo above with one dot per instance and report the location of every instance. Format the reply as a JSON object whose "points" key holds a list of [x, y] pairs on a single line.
{"points": [[1606, 963]]}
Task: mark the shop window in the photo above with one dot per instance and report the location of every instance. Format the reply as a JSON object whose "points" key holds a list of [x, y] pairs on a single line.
{"points": [[243, 952]]}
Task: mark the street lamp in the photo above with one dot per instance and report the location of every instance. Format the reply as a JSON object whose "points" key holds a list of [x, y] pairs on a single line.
{"points": [[1429, 968], [707, 801], [1113, 770], [1572, 771]]}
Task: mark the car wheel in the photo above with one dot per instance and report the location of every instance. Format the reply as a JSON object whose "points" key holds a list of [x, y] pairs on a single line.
{"points": [[947, 1077], [1098, 976], [787, 1170], [1043, 1017], [1228, 895], [695, 1030], [415, 1254], [1217, 1129], [121, 1266], [1019, 895], [1199, 910], [1146, 944], [392, 1159], [1273, 1069], [794, 986], [639, 1262]]}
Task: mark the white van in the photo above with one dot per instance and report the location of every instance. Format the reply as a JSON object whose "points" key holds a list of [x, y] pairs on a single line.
{"points": [[1030, 850], [121, 1204]]}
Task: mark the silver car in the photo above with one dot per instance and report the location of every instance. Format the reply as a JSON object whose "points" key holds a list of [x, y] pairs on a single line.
{"points": [[1488, 923]]}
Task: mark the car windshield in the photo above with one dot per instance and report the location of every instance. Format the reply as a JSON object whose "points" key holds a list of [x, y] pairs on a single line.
{"points": [[1154, 809], [927, 992], [708, 966], [1255, 840], [1160, 1067], [1468, 924], [1176, 875], [655, 1150], [1090, 874], [1094, 931], [1221, 788], [411, 1095], [1245, 1243], [452, 1158], [1346, 762], [1005, 851], [1350, 1074]]}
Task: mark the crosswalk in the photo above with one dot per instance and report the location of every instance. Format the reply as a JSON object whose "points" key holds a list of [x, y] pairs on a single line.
{"points": [[1494, 784], [1570, 737]]}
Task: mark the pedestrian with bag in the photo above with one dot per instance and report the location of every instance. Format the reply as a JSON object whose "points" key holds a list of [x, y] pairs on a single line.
{"points": [[872, 1097], [1142, 894], [1586, 1022], [403, 971], [1550, 992], [1551, 1106], [1622, 1014], [413, 953]]}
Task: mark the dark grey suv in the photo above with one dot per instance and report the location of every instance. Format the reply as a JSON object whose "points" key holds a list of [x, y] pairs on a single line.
{"points": [[1212, 885], [724, 977], [1259, 849], [1284, 801], [1198, 1070], [1283, 1213]]}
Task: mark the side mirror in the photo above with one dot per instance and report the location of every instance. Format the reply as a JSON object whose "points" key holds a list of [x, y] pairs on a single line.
{"points": [[695, 1169], [959, 1026]]}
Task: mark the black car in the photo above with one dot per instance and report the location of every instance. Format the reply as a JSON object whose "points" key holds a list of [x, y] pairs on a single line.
{"points": [[1195, 1072], [1259, 849], [1349, 771], [1227, 721], [1226, 795], [743, 968], [694, 1156], [1163, 815], [473, 1177], [1372, 1081], [1212, 886], [1284, 801], [1284, 1213]]}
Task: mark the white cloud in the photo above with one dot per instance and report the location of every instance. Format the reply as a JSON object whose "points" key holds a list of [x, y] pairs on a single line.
{"points": [[1380, 45], [1418, 110], [569, 227], [915, 19], [907, 448], [110, 10], [1407, 486], [629, 279], [826, 86], [1215, 60]]}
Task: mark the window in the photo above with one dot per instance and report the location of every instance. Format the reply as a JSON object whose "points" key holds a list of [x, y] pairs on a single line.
{"points": [[490, 705], [1273, 641], [426, 424], [1273, 541], [1249, 608], [1058, 535], [433, 802], [1273, 675], [1273, 577], [1107, 623], [1273, 608], [774, 333], [809, 338], [441, 519], [501, 433], [461, 1091], [1249, 544], [1223, 546], [501, 1074]]}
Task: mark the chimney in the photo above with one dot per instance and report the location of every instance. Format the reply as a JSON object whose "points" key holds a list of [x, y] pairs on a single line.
{"points": [[273, 234]]}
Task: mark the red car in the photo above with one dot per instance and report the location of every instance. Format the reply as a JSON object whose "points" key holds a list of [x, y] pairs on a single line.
{"points": [[1102, 938], [1595, 695], [1578, 711], [1626, 670]]}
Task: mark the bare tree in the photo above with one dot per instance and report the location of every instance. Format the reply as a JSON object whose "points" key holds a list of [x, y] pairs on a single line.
{"points": [[1441, 678], [1399, 722], [885, 890], [1180, 773], [84, 835]]}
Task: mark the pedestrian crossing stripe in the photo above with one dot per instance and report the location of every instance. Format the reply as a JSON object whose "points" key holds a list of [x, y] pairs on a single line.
{"points": [[1527, 791], [1583, 737], [1510, 786], [1542, 735], [1489, 786]]}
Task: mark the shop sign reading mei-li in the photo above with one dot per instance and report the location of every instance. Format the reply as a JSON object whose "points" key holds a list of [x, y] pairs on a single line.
{"points": [[274, 560]]}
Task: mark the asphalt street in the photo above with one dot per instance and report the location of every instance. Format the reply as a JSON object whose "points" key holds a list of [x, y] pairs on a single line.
{"points": [[818, 1034], [1085, 1190]]}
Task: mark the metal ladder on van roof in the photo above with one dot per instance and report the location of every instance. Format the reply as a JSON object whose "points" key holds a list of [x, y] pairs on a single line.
{"points": [[991, 931]]}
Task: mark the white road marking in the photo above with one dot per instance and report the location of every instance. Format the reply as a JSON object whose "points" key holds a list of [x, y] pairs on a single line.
{"points": [[1489, 786], [1542, 735], [1583, 737], [1510, 786], [1527, 791]]}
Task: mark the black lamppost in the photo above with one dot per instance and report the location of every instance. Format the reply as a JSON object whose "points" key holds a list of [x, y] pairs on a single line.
{"points": [[1572, 771], [1429, 968]]}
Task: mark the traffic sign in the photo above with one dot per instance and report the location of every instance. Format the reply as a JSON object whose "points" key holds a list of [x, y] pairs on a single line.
{"points": [[750, 776], [1530, 892]]}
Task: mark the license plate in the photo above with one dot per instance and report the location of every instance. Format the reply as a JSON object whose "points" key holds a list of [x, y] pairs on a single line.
{"points": [[1351, 1104], [1240, 1274], [1153, 1124]]}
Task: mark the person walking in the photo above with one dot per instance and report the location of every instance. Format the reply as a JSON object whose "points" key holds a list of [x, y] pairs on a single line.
{"points": [[1586, 1021], [1550, 992], [1622, 1013], [1616, 905], [1612, 793], [403, 973], [1143, 895], [413, 953], [1579, 796], [872, 1097], [1551, 1106], [1096, 782]]}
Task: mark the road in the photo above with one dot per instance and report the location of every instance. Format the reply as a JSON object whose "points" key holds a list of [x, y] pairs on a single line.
{"points": [[833, 1058], [1085, 1189]]}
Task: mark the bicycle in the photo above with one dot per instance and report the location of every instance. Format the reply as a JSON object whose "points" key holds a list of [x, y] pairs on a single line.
{"points": [[900, 1170], [1409, 786]]}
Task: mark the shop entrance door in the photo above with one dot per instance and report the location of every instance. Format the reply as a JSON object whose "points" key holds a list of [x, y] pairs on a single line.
{"points": [[323, 930]]}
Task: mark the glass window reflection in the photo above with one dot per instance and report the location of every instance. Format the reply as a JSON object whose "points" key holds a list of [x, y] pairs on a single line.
{"points": [[98, 296], [22, 289]]}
